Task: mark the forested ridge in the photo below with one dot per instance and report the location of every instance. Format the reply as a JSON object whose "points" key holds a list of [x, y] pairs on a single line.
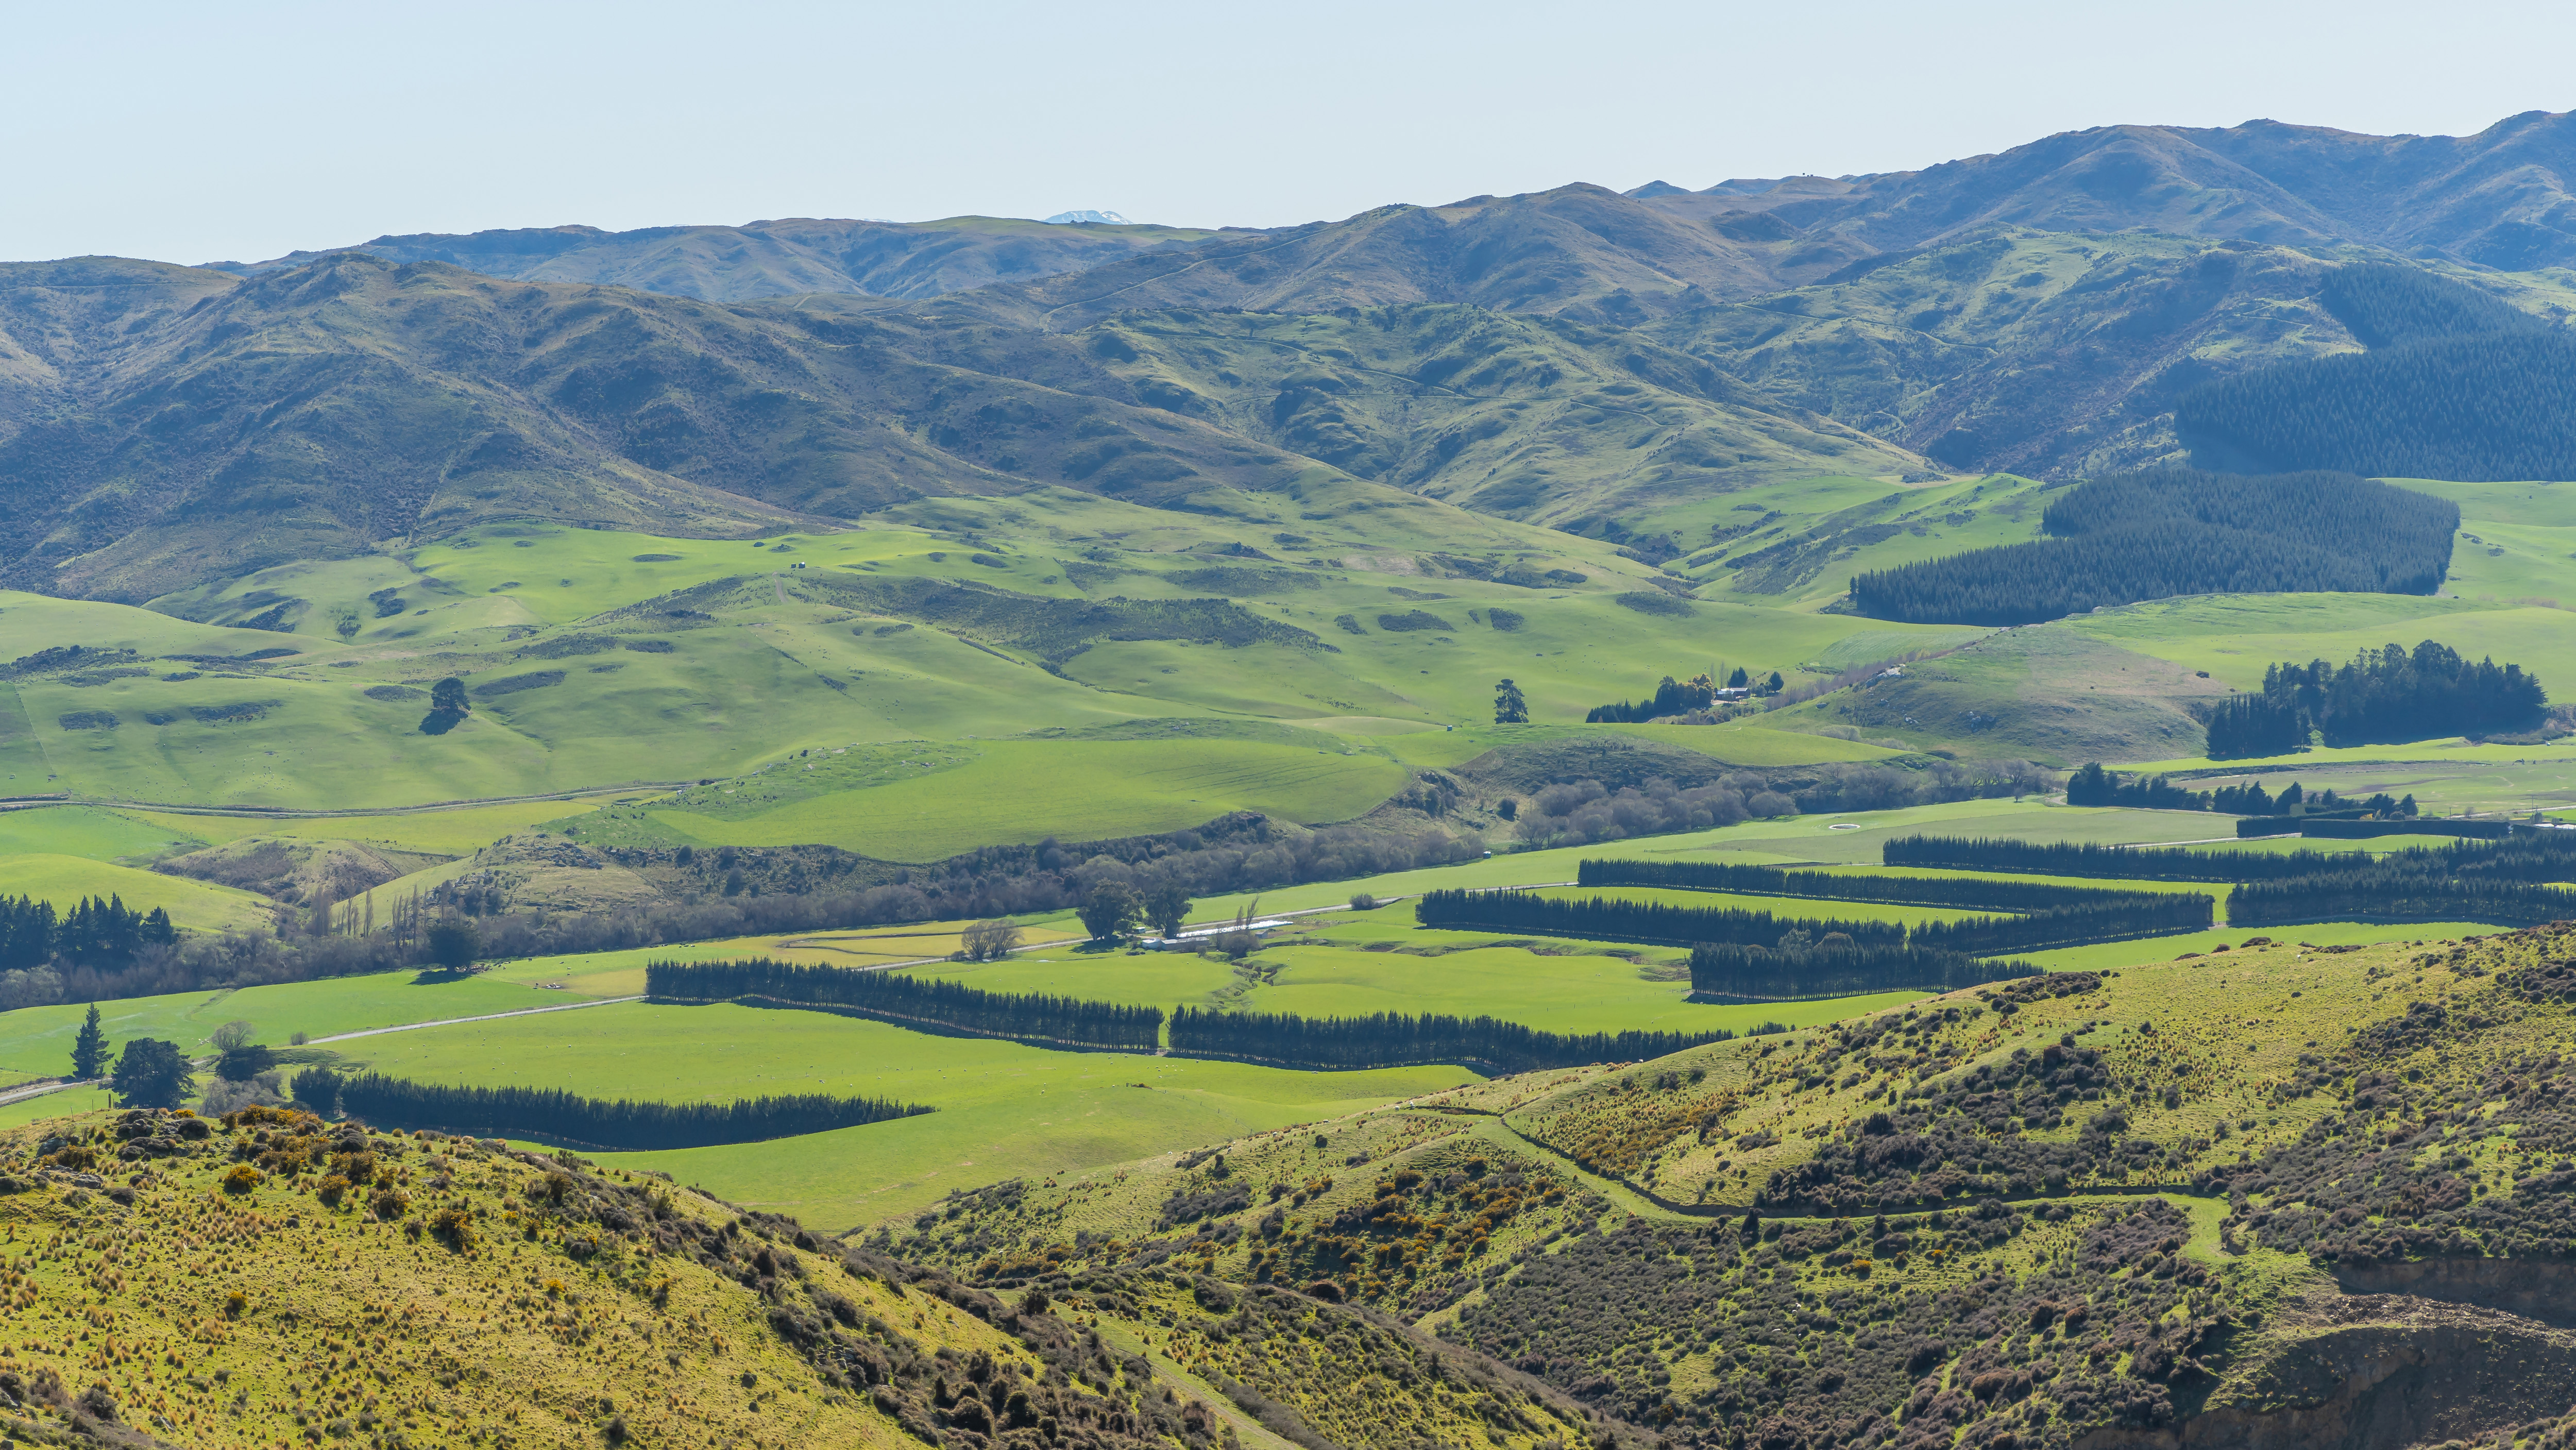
{"points": [[912, 1001], [2456, 385], [562, 1117], [2153, 535]]}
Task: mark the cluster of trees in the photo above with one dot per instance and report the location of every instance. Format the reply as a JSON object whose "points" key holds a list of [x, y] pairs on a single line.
{"points": [[912, 1001], [96, 932], [1682, 697], [1970, 893], [1798, 971], [2482, 407], [1394, 1039], [1603, 918], [562, 1117], [2398, 889], [2095, 786], [2389, 693], [2175, 531]]}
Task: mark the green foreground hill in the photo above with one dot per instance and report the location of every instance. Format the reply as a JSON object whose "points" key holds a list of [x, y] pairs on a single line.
{"points": [[274, 1279], [2167, 1201]]}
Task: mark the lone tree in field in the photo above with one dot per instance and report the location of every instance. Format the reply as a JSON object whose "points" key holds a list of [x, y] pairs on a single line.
{"points": [[448, 697], [1509, 707], [453, 945], [987, 941], [1110, 910], [89, 1049], [1167, 908], [150, 1073]]}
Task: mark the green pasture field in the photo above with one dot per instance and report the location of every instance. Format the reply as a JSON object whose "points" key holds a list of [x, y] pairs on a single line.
{"points": [[2515, 538], [2235, 637], [458, 832], [1005, 1110], [2153, 951], [1783, 906], [55, 1105], [1140, 979], [97, 834], [193, 905], [1789, 841], [1008, 791], [621, 973], [38, 1040], [1933, 521]]}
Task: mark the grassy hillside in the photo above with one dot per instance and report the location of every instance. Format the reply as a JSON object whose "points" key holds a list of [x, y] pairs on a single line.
{"points": [[473, 1293], [2175, 1207]]}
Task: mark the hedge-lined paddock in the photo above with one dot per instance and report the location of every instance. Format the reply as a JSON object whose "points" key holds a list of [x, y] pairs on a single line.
{"points": [[1609, 919], [912, 1002], [1395, 1039], [1736, 973], [1968, 893], [555, 1116]]}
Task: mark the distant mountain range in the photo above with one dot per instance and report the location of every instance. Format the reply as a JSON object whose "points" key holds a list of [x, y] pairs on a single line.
{"points": [[1575, 357], [777, 258]]}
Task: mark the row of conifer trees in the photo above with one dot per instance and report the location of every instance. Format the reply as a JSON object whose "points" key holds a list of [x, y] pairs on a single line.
{"points": [[1799, 973], [1396, 1039], [96, 932], [555, 1116], [2106, 916], [1971, 893], [2398, 891], [912, 1001], [1604, 918]]}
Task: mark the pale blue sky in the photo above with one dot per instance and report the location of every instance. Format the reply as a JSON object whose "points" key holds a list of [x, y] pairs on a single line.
{"points": [[194, 133]]}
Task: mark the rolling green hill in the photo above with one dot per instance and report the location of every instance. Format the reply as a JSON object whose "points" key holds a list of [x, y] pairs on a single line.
{"points": [[470, 1292]]}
